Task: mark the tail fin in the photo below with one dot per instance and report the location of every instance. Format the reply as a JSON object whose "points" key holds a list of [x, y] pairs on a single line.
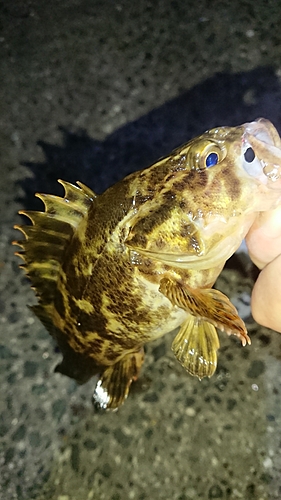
{"points": [[47, 237]]}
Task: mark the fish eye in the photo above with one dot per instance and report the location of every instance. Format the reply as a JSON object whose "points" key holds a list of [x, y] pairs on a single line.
{"points": [[249, 155], [212, 159]]}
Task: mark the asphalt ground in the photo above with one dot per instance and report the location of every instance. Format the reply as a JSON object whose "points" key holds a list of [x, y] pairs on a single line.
{"points": [[91, 91]]}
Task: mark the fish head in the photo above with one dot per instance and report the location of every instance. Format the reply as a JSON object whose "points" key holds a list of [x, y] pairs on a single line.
{"points": [[207, 194], [226, 164]]}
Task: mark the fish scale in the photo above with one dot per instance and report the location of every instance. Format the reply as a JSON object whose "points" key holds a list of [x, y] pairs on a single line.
{"points": [[114, 271]]}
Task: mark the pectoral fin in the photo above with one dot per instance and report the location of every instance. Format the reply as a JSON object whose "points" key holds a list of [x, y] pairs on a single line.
{"points": [[114, 384], [208, 304], [195, 347]]}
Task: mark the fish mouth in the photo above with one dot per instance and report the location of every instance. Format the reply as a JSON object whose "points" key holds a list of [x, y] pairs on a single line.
{"points": [[263, 138]]}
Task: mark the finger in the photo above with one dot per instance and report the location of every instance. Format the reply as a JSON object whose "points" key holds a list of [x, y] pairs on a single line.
{"points": [[264, 238], [266, 296]]}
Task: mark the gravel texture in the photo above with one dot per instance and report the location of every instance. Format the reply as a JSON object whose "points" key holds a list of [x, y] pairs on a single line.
{"points": [[93, 90]]}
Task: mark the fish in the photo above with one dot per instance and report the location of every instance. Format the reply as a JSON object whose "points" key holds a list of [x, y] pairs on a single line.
{"points": [[115, 271]]}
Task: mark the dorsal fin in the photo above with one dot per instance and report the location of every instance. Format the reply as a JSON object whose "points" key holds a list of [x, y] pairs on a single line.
{"points": [[46, 239]]}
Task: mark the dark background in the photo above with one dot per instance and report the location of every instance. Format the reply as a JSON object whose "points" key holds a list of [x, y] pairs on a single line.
{"points": [[90, 91]]}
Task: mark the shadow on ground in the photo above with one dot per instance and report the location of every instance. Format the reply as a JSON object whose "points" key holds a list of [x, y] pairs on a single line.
{"points": [[224, 99]]}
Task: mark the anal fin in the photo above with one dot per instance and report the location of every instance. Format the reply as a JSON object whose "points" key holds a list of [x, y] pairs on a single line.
{"points": [[113, 386], [195, 346]]}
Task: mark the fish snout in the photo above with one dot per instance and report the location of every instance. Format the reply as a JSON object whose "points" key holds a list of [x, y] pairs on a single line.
{"points": [[261, 149]]}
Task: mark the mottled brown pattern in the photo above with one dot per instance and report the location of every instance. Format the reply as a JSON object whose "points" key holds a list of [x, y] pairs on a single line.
{"points": [[98, 280], [232, 184], [141, 232], [193, 180]]}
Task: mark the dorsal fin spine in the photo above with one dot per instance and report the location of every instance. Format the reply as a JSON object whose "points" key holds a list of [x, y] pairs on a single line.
{"points": [[45, 240]]}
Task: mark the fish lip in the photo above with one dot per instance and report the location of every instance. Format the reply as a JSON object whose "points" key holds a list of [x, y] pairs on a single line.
{"points": [[265, 140], [264, 131]]}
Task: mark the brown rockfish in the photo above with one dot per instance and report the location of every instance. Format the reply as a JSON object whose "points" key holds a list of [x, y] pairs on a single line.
{"points": [[117, 270]]}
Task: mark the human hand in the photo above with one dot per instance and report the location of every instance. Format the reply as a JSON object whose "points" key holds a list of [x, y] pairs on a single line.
{"points": [[264, 245]]}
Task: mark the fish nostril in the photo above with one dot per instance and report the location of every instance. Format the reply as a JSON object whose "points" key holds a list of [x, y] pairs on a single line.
{"points": [[249, 155]]}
